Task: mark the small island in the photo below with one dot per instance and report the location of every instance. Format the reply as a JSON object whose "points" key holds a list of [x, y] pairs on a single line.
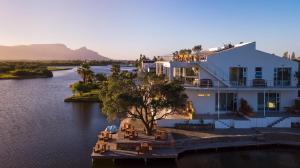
{"points": [[87, 89], [24, 71]]}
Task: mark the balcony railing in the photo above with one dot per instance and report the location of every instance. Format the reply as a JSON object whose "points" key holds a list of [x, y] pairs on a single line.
{"points": [[254, 83]]}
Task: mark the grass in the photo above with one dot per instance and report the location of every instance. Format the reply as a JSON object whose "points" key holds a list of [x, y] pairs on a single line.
{"points": [[58, 68], [91, 96], [8, 76]]}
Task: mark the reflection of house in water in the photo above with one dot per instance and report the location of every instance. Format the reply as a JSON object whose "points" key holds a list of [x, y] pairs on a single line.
{"points": [[217, 79]]}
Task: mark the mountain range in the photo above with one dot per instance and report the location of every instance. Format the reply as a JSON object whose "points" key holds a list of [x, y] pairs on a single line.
{"points": [[48, 52]]}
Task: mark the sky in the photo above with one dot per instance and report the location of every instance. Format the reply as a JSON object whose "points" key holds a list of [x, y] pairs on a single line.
{"points": [[123, 29]]}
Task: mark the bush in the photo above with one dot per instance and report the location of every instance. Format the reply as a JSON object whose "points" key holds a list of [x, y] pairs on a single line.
{"points": [[245, 107], [80, 87]]}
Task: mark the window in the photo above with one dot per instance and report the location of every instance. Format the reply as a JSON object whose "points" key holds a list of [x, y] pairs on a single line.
{"points": [[227, 102], [238, 76], [258, 72], [282, 76], [268, 102]]}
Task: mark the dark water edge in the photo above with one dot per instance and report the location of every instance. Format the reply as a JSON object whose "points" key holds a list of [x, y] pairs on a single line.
{"points": [[273, 158]]}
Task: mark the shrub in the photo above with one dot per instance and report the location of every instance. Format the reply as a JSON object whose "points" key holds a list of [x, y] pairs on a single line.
{"points": [[80, 87], [245, 107]]}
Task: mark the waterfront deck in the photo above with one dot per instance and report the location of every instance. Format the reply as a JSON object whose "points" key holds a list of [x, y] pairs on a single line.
{"points": [[127, 154]]}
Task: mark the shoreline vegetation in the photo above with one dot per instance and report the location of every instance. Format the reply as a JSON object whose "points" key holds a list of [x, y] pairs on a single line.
{"points": [[59, 68], [87, 89], [23, 71], [91, 96]]}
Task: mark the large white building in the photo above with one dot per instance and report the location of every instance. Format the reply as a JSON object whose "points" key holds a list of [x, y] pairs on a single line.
{"points": [[217, 79]]}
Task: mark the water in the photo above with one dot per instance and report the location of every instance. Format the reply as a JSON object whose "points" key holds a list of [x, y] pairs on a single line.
{"points": [[38, 129], [275, 158]]}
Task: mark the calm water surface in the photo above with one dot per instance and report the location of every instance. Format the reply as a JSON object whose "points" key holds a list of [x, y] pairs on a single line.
{"points": [[37, 129]]}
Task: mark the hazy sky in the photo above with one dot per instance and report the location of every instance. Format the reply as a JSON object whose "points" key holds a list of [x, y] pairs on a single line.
{"points": [[122, 29]]}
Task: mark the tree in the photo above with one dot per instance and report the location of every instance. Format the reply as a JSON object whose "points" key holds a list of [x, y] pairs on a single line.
{"points": [[100, 77], [85, 72], [80, 87], [197, 48], [286, 55], [115, 70], [148, 99], [293, 56]]}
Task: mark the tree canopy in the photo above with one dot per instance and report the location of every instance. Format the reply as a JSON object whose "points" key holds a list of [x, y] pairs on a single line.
{"points": [[85, 72], [148, 99]]}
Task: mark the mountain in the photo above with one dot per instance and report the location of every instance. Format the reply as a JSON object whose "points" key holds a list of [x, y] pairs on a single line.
{"points": [[47, 52]]}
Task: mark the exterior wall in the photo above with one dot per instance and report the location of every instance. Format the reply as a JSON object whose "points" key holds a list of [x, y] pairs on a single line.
{"points": [[146, 66], [206, 104], [203, 74], [202, 105], [248, 56]]}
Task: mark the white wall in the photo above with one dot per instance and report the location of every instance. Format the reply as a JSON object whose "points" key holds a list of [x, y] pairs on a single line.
{"points": [[202, 105], [248, 56]]}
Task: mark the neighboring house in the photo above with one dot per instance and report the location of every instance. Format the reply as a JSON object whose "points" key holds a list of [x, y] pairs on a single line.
{"points": [[217, 79], [148, 66]]}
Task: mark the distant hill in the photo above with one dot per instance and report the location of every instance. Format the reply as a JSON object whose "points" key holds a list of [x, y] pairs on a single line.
{"points": [[47, 52]]}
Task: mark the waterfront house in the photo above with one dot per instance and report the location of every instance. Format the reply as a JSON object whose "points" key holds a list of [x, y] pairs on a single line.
{"points": [[148, 65], [218, 78]]}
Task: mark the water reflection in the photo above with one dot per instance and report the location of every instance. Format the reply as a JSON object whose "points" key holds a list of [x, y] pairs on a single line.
{"points": [[83, 113]]}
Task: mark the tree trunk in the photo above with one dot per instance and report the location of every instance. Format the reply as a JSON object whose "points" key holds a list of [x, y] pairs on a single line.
{"points": [[149, 130]]}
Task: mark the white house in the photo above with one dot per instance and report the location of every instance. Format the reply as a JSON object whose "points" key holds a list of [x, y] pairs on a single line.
{"points": [[216, 80], [148, 66]]}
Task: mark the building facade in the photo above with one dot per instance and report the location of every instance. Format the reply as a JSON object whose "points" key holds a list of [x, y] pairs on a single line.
{"points": [[216, 80]]}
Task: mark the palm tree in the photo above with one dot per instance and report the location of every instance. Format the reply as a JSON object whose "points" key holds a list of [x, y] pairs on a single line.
{"points": [[85, 72]]}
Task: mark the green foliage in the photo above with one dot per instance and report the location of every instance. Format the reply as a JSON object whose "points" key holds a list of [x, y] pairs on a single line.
{"points": [[245, 107], [286, 55], [100, 77], [197, 48], [185, 51], [80, 87], [144, 99], [86, 73], [115, 70]]}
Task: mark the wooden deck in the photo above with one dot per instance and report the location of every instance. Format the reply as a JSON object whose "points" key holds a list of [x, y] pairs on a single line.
{"points": [[125, 154]]}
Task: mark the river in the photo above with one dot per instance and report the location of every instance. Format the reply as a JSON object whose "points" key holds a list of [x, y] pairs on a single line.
{"points": [[38, 129]]}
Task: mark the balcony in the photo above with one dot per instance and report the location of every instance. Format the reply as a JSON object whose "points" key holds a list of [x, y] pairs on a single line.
{"points": [[254, 83]]}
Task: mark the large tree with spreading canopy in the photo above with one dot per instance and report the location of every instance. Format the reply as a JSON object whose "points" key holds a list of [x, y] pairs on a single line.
{"points": [[148, 99]]}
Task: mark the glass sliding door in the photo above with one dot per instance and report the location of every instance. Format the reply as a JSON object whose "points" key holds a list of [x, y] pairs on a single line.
{"points": [[268, 101], [238, 76], [227, 102], [282, 76]]}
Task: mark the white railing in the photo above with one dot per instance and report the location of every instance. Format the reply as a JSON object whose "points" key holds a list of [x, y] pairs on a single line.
{"points": [[215, 70], [209, 83]]}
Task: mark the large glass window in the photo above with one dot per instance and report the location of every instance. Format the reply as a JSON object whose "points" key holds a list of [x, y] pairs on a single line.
{"points": [[227, 101], [282, 76], [238, 76], [268, 102]]}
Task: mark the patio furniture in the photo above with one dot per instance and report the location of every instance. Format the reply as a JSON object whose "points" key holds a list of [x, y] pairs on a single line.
{"points": [[130, 134], [259, 83], [100, 147], [161, 135], [104, 135], [144, 148], [126, 126]]}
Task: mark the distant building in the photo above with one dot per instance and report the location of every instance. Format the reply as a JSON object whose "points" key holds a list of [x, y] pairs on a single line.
{"points": [[148, 66]]}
